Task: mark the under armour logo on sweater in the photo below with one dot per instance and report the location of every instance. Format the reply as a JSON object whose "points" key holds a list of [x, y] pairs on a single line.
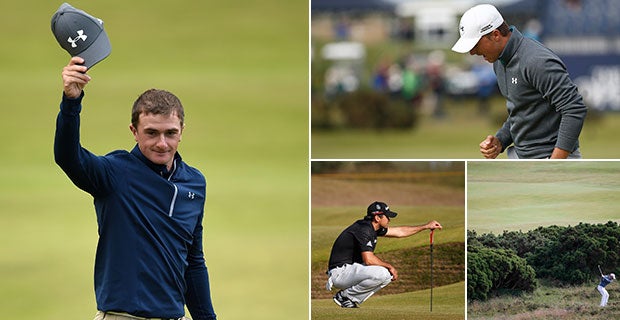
{"points": [[191, 195], [514, 80], [81, 35]]}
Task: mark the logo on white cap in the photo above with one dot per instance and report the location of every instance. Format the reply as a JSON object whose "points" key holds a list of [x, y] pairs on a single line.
{"points": [[485, 28]]}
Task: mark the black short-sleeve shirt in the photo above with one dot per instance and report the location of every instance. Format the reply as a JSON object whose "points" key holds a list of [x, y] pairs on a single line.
{"points": [[357, 238]]}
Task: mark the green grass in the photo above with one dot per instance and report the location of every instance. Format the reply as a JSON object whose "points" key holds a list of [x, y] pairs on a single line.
{"points": [[525, 195], [448, 303], [331, 221], [416, 203], [241, 73], [549, 302], [455, 137]]}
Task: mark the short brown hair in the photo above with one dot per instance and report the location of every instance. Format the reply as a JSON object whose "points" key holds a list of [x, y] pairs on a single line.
{"points": [[155, 101], [504, 29]]}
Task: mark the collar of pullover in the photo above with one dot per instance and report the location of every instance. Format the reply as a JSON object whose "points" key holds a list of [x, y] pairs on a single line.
{"points": [[511, 46], [160, 169]]}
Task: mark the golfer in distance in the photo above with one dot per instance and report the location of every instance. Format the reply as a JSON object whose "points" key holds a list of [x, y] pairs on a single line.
{"points": [[149, 205], [353, 266], [605, 280], [545, 110]]}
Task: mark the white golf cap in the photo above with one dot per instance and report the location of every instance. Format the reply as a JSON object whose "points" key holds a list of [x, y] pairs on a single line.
{"points": [[613, 276], [475, 23]]}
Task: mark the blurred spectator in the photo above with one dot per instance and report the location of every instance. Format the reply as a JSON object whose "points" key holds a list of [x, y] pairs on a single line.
{"points": [[435, 79], [487, 84], [412, 82], [395, 79], [340, 79], [574, 5], [342, 29], [406, 31], [380, 76], [533, 29]]}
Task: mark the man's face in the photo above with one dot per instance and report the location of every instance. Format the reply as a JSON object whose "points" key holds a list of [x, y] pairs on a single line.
{"points": [[489, 47], [384, 221], [158, 137]]}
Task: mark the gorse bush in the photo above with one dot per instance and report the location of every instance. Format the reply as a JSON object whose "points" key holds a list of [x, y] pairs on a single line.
{"points": [[490, 269], [364, 109], [573, 254], [569, 255]]}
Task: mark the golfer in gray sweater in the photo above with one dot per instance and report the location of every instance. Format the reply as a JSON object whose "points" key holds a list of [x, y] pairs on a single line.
{"points": [[545, 110]]}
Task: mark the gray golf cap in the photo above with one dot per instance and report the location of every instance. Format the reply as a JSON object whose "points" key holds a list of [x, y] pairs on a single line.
{"points": [[80, 34]]}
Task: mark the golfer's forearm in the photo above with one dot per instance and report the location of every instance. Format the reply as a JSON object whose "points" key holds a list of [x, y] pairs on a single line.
{"points": [[404, 231], [569, 131], [86, 170], [503, 134], [67, 136]]}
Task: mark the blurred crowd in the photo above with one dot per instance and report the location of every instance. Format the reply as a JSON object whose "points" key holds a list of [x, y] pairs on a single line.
{"points": [[415, 77], [584, 33]]}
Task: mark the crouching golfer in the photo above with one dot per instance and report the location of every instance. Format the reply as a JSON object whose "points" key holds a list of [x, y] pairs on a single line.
{"points": [[605, 280], [353, 267]]}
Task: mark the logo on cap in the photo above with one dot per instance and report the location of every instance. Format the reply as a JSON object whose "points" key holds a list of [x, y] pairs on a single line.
{"points": [[485, 28], [81, 35]]}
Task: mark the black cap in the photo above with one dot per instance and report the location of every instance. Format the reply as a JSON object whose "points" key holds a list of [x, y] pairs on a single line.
{"points": [[80, 34], [377, 208]]}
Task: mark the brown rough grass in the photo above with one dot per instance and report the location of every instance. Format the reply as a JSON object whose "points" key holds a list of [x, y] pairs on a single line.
{"points": [[413, 265]]}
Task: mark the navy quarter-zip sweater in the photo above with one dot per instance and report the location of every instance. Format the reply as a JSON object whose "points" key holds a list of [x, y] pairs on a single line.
{"points": [[149, 259]]}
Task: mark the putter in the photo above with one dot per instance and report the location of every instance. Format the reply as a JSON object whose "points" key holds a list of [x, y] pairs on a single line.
{"points": [[432, 232]]}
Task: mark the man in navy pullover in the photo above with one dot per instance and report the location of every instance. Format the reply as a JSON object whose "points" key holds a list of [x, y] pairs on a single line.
{"points": [[149, 204]]}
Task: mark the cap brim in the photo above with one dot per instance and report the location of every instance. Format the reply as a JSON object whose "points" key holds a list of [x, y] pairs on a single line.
{"points": [[97, 51], [391, 214], [465, 45]]}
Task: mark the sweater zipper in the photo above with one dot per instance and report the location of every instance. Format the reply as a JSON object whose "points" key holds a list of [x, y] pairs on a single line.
{"points": [[176, 190]]}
